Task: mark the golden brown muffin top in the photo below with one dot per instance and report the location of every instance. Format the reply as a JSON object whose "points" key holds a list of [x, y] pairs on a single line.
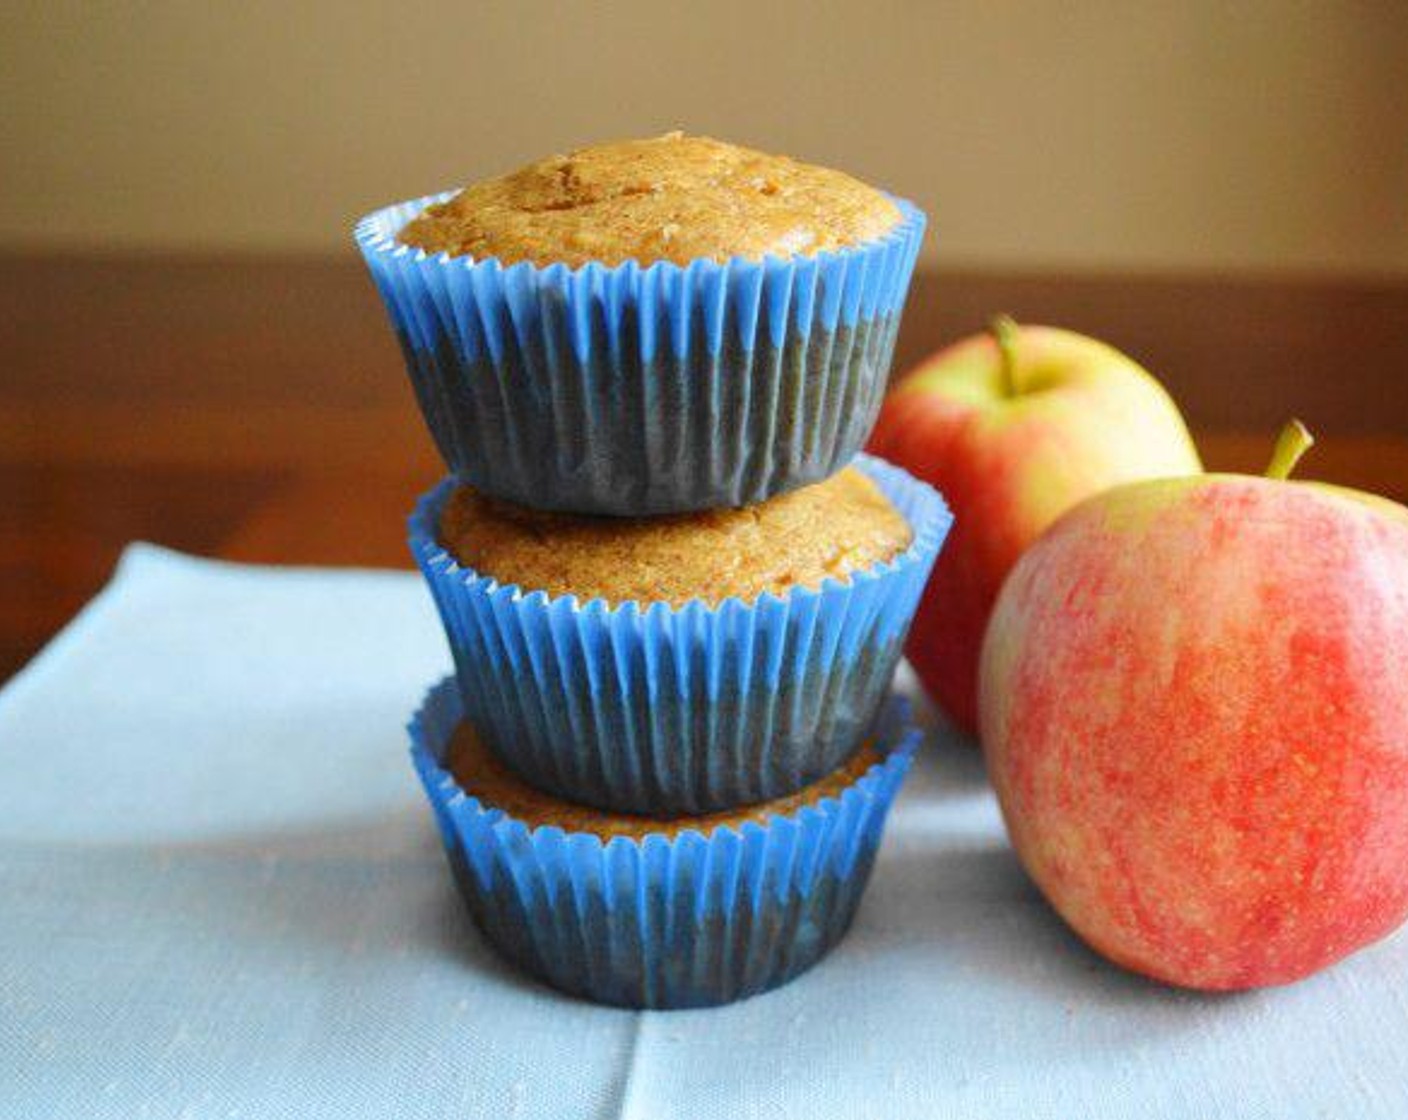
{"points": [[673, 197], [797, 539], [478, 771]]}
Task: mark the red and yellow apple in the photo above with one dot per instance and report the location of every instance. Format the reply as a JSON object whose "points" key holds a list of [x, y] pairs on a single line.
{"points": [[1194, 700], [1015, 427]]}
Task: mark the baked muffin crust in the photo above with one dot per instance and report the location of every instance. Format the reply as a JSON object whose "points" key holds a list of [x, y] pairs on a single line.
{"points": [[672, 197], [479, 772], [828, 529]]}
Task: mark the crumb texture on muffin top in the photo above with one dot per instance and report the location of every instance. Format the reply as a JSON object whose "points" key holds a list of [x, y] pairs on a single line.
{"points": [[480, 772], [673, 198], [828, 529]]}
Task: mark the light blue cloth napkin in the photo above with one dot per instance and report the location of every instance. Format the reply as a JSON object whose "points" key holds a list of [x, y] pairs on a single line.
{"points": [[221, 896]]}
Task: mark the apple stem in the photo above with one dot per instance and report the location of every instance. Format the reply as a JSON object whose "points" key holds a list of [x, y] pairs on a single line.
{"points": [[1003, 329], [1293, 442]]}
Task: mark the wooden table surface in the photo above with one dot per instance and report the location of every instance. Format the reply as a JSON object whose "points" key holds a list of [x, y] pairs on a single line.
{"points": [[255, 408]]}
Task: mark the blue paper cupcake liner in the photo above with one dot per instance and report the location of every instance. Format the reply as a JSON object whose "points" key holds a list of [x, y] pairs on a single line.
{"points": [[648, 708], [689, 920], [634, 390]]}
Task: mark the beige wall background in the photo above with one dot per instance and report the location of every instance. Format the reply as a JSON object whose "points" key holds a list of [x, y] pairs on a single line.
{"points": [[1195, 135]]}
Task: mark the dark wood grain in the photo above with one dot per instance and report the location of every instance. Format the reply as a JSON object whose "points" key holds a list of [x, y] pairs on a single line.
{"points": [[63, 525], [1237, 353], [255, 408]]}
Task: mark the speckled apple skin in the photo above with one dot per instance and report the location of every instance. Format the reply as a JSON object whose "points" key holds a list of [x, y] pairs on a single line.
{"points": [[1194, 702], [1089, 418]]}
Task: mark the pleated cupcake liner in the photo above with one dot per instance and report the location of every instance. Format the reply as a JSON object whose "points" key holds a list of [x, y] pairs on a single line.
{"points": [[653, 709], [693, 919], [634, 390]]}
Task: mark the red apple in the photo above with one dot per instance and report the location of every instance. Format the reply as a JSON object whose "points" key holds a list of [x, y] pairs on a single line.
{"points": [[1014, 428], [1194, 700]]}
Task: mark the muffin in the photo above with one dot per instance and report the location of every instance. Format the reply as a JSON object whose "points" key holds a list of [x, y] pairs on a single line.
{"points": [[650, 913], [673, 198], [823, 531], [650, 326], [687, 664]]}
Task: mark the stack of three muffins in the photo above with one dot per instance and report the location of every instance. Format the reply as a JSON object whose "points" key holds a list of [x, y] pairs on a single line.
{"points": [[663, 766]]}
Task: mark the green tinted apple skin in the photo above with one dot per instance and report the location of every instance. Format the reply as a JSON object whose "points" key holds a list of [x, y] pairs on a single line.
{"points": [[1010, 459], [1194, 705]]}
